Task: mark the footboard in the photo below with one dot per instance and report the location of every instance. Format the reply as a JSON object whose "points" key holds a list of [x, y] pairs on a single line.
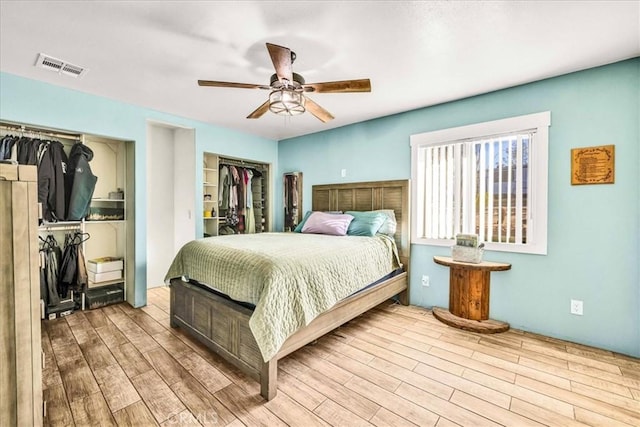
{"points": [[218, 323], [223, 326]]}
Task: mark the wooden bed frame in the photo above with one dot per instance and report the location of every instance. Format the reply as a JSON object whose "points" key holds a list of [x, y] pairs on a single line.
{"points": [[223, 325]]}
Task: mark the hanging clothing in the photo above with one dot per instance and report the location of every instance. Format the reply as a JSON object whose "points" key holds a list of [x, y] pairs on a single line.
{"points": [[55, 181], [249, 215], [290, 201], [51, 274], [82, 277], [51, 182], [256, 187], [68, 267], [6, 146], [72, 277], [42, 148], [233, 193], [223, 188], [22, 145], [80, 182], [49, 271], [237, 201], [28, 150], [232, 211]]}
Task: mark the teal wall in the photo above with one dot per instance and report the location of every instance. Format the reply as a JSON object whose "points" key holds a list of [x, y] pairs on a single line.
{"points": [[594, 230], [41, 104]]}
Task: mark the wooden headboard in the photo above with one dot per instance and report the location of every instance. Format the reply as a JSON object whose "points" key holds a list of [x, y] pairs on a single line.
{"points": [[367, 196]]}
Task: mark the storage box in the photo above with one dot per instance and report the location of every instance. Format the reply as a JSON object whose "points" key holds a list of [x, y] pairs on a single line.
{"points": [[64, 308], [104, 277], [467, 254], [91, 284], [105, 295], [116, 195], [107, 263]]}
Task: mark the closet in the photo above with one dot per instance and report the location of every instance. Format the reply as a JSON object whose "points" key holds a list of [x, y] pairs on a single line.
{"points": [[86, 225], [235, 196]]}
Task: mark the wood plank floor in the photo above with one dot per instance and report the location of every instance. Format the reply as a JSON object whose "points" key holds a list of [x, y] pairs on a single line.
{"points": [[392, 366]]}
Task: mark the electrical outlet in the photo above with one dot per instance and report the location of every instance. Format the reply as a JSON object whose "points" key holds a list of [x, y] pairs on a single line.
{"points": [[425, 280], [576, 307], [343, 173]]}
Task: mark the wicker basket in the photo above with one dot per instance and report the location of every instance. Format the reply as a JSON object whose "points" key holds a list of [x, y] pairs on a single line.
{"points": [[466, 254]]}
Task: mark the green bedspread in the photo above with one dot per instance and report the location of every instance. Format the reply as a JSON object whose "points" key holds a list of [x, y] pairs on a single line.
{"points": [[291, 278]]}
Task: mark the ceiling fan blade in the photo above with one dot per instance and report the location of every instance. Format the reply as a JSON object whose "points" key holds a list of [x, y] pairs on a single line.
{"points": [[281, 58], [258, 112], [320, 113], [230, 84], [362, 85]]}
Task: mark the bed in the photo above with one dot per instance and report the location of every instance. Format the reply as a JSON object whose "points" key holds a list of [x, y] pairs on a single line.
{"points": [[224, 325]]}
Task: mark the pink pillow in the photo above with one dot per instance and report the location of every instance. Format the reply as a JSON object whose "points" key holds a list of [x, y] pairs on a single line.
{"points": [[326, 223]]}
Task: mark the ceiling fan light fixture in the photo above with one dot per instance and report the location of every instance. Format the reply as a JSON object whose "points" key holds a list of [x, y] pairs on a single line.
{"points": [[286, 97], [286, 102]]}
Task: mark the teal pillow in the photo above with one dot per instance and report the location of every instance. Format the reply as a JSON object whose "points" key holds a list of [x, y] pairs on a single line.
{"points": [[365, 223], [298, 228]]}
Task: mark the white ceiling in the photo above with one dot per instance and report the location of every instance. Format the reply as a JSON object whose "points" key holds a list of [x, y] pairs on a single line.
{"points": [[151, 53]]}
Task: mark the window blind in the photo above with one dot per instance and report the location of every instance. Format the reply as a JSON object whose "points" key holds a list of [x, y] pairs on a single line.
{"points": [[477, 186]]}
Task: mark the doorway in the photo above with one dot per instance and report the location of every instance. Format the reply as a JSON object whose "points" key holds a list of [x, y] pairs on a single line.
{"points": [[170, 196]]}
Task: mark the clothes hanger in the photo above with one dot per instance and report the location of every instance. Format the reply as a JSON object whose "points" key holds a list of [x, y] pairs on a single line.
{"points": [[82, 236]]}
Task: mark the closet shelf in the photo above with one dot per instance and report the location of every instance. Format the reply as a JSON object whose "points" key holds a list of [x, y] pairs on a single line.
{"points": [[206, 184], [210, 169], [105, 221], [104, 199], [209, 217]]}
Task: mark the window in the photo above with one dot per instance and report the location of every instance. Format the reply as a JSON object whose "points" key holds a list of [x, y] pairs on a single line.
{"points": [[488, 179]]}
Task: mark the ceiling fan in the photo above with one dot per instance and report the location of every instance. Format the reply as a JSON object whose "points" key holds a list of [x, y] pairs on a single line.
{"points": [[287, 88]]}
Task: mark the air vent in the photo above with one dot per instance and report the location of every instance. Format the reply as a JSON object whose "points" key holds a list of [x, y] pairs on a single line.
{"points": [[53, 64]]}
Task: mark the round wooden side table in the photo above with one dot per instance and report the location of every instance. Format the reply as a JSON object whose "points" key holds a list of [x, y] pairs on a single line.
{"points": [[469, 286]]}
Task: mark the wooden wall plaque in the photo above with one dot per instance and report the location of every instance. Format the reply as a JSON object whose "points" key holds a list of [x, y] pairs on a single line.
{"points": [[593, 165]]}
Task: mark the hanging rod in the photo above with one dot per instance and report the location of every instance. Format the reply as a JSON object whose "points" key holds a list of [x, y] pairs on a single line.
{"points": [[60, 226], [241, 164], [39, 132], [64, 228]]}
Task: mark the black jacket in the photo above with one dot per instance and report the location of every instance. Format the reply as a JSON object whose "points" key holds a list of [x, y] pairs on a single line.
{"points": [[51, 182]]}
